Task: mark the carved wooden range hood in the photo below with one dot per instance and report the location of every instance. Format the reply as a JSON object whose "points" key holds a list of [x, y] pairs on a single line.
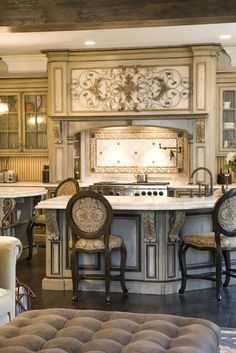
{"points": [[168, 87]]}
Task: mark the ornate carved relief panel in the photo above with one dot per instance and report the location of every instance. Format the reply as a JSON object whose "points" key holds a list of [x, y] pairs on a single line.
{"points": [[130, 89]]}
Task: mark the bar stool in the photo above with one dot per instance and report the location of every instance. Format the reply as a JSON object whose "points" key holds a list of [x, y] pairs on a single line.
{"points": [[69, 186], [221, 242], [89, 215]]}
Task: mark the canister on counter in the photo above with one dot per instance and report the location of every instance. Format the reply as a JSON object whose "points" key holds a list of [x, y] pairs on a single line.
{"points": [[223, 178], [45, 174]]}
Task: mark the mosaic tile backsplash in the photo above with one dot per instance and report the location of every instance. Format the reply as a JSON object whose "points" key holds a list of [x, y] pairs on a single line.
{"points": [[136, 153], [129, 150]]}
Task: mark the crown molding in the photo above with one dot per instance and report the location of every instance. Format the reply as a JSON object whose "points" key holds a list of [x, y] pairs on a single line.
{"points": [[231, 51], [34, 63]]}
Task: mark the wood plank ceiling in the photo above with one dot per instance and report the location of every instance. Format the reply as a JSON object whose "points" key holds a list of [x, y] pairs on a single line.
{"points": [[48, 15]]}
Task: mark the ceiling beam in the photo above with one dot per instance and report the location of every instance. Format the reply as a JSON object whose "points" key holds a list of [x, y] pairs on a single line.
{"points": [[49, 15]]}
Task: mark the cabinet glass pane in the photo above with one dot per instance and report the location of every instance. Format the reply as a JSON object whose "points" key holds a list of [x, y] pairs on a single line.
{"points": [[228, 119], [13, 122], [4, 122], [13, 140], [31, 140], [35, 121], [229, 99], [9, 123]]}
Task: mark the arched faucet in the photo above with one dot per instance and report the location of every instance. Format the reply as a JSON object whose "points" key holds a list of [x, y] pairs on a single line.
{"points": [[210, 174]]}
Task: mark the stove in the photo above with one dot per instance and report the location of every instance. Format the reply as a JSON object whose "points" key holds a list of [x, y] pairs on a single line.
{"points": [[131, 189]]}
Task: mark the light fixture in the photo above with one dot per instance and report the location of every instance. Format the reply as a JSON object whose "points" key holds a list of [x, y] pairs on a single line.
{"points": [[35, 119], [89, 42], [225, 36], [3, 107]]}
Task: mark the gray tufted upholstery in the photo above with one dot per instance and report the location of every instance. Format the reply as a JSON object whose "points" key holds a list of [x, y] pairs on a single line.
{"points": [[91, 331]]}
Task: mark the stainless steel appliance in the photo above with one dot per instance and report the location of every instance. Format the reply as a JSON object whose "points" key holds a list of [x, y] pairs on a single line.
{"points": [[131, 189], [10, 176]]}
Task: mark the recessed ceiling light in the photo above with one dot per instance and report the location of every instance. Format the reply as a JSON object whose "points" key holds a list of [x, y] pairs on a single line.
{"points": [[225, 36], [89, 42]]}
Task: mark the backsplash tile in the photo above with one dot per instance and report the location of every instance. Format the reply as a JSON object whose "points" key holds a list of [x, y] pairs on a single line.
{"points": [[134, 149]]}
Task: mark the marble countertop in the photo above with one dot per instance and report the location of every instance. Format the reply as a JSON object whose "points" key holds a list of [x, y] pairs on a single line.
{"points": [[29, 184], [13, 192], [154, 203]]}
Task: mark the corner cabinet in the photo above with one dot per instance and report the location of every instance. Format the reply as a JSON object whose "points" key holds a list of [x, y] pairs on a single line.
{"points": [[23, 128]]}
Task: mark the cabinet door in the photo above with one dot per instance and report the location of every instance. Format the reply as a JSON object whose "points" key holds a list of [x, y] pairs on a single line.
{"points": [[228, 119], [9, 124], [35, 121]]}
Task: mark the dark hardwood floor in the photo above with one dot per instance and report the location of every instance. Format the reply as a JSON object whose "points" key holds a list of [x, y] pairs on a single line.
{"points": [[200, 303]]}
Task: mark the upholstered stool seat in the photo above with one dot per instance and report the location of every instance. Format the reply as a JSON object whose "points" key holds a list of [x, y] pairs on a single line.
{"points": [[208, 240], [92, 331], [115, 241]]}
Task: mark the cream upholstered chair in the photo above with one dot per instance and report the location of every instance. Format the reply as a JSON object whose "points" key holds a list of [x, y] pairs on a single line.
{"points": [[89, 215], [10, 250], [220, 242], [69, 186]]}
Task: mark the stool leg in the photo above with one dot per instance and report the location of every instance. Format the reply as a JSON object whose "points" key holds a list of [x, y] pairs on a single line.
{"points": [[30, 236], [218, 273], [123, 256], [75, 274], [108, 274], [226, 255], [182, 262]]}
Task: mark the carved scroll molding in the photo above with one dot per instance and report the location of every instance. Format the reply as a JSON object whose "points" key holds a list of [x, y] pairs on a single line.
{"points": [[57, 131], [150, 235], [52, 225], [6, 207], [176, 222], [200, 130], [130, 89]]}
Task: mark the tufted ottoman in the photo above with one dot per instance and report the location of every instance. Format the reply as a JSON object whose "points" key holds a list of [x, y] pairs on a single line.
{"points": [[80, 331]]}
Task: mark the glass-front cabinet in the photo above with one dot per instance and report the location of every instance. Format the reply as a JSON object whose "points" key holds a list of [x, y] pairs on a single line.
{"points": [[35, 121], [23, 128], [227, 119], [10, 123]]}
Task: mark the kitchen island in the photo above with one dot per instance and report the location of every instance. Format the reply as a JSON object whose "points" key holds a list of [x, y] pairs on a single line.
{"points": [[20, 202], [151, 228]]}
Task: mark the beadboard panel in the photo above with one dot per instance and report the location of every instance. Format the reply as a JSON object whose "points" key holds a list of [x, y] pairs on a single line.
{"points": [[28, 168], [220, 162]]}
